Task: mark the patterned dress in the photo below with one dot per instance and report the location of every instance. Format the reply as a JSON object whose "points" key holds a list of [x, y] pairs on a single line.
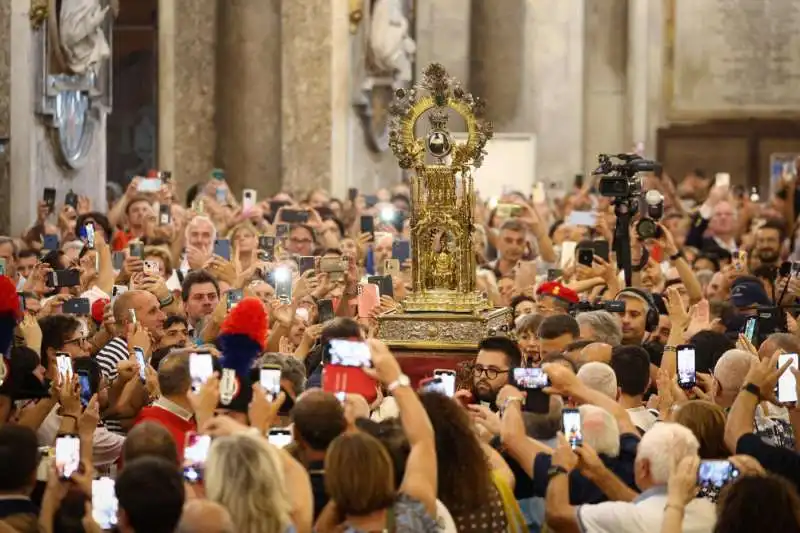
{"points": [[410, 517], [488, 518]]}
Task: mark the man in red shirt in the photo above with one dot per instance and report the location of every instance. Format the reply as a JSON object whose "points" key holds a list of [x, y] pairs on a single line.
{"points": [[172, 409]]}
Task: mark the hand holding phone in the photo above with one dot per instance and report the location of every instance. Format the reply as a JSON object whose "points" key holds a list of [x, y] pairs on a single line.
{"points": [[194, 456], [572, 426], [787, 383], [687, 376], [139, 352], [201, 367], [269, 378], [68, 455]]}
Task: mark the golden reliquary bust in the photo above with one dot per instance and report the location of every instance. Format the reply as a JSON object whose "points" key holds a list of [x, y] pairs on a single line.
{"points": [[442, 190]]}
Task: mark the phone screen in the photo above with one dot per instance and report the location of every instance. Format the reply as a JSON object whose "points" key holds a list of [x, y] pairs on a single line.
{"points": [[686, 367], [787, 387], [86, 388], [234, 297], [434, 384], [280, 437], [136, 250], [68, 455], [283, 283], [270, 380], [89, 229], [104, 503], [349, 353], [141, 362], [325, 310], [201, 366], [750, 328], [531, 378], [573, 430], [715, 474], [194, 456], [64, 364], [448, 380]]}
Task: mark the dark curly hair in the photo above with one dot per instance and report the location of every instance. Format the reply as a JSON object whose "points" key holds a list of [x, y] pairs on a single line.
{"points": [[464, 473]]}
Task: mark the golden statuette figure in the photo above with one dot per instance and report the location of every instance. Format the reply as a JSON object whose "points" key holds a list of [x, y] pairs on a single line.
{"points": [[444, 307]]}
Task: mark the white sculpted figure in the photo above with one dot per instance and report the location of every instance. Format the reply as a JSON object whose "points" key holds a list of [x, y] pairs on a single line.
{"points": [[392, 48], [82, 37]]}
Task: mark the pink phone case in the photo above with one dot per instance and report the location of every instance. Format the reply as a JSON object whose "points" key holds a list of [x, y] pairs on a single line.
{"points": [[368, 299]]}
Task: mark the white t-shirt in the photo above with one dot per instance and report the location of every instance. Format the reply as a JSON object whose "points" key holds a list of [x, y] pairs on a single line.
{"points": [[644, 515], [444, 520]]}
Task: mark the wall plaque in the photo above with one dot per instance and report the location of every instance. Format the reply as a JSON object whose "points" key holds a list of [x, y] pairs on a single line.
{"points": [[732, 59]]}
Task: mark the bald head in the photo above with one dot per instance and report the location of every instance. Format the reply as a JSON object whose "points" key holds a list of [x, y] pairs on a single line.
{"points": [[173, 375], [124, 302], [599, 352], [149, 439], [205, 516], [731, 370]]}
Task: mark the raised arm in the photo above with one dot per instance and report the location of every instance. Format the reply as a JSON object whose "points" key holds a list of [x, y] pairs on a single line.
{"points": [[420, 481]]}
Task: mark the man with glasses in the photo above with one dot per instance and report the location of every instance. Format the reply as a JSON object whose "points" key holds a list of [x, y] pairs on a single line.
{"points": [[497, 356], [301, 240]]}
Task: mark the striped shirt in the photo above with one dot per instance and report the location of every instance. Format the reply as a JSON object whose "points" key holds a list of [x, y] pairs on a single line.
{"points": [[108, 358]]}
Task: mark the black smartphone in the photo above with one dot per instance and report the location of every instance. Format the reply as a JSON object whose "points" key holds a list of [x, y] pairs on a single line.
{"points": [[275, 206], [601, 249], [222, 248], [21, 297], [401, 250], [234, 296], [585, 256], [86, 387], [533, 381], [50, 242], [384, 283], [687, 375], [294, 216], [554, 274], [137, 250], [368, 225], [50, 198], [76, 306], [71, 199], [64, 278], [579, 181], [281, 231], [572, 426], [164, 214], [306, 263], [266, 243], [325, 310], [352, 194], [371, 200], [750, 328]]}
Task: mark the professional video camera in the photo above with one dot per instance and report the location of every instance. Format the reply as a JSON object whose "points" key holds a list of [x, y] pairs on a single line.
{"points": [[611, 306], [621, 182]]}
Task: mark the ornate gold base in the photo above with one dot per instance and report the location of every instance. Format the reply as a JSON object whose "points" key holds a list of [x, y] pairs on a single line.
{"points": [[438, 301], [442, 331]]}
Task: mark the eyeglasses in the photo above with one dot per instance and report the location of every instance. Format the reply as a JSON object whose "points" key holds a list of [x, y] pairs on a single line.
{"points": [[79, 341], [301, 241], [490, 371]]}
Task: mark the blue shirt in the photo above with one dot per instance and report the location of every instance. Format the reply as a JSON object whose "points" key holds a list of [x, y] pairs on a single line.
{"points": [[581, 490]]}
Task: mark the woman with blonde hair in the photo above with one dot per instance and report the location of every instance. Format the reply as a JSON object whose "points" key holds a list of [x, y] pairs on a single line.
{"points": [[244, 246], [245, 474]]}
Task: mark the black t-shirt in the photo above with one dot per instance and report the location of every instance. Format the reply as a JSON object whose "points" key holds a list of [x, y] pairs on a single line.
{"points": [[778, 460], [316, 471]]}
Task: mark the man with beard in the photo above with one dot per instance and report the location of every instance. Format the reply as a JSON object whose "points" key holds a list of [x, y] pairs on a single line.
{"points": [[497, 357], [769, 239]]}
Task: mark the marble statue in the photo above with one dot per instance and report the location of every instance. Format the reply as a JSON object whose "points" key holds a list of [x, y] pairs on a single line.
{"points": [[391, 45], [81, 31]]}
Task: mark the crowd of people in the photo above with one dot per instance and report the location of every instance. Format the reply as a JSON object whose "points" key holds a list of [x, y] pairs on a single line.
{"points": [[214, 365]]}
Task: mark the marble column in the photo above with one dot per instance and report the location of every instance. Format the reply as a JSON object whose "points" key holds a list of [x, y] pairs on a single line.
{"points": [[33, 158], [187, 40], [248, 94], [443, 36], [5, 114], [605, 58], [306, 69], [528, 64], [645, 64]]}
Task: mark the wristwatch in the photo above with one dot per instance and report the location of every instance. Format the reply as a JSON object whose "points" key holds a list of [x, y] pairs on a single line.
{"points": [[554, 471], [676, 256], [401, 381], [753, 389], [166, 301]]}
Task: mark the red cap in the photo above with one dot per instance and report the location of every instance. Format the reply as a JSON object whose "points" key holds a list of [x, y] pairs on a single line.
{"points": [[557, 290], [99, 309], [248, 318]]}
